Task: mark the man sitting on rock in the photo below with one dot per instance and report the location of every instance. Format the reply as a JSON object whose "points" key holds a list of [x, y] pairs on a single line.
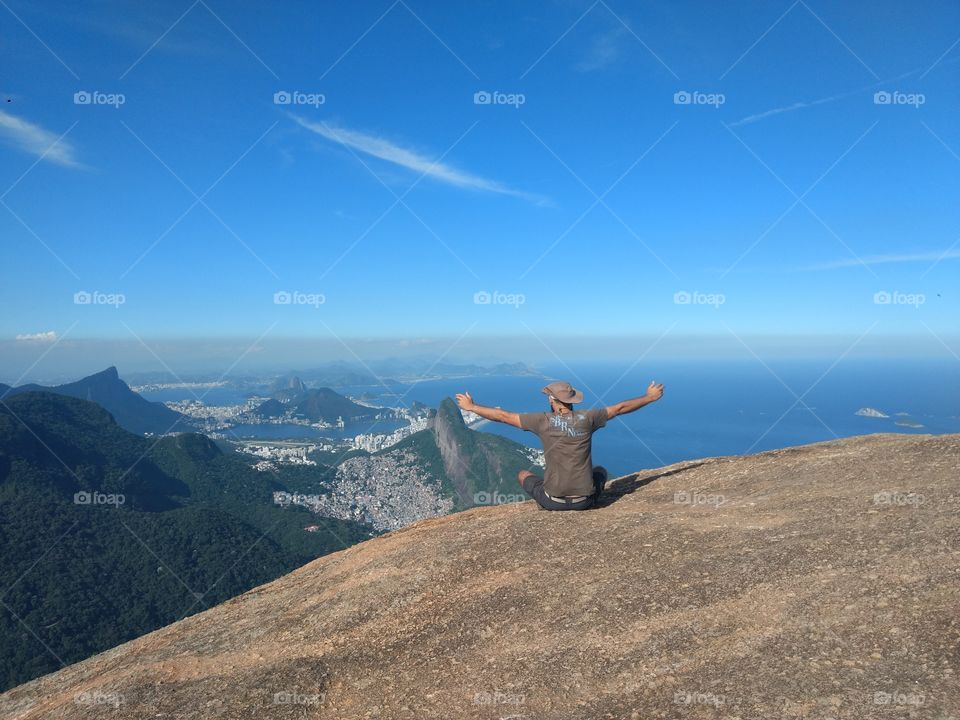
{"points": [[571, 481]]}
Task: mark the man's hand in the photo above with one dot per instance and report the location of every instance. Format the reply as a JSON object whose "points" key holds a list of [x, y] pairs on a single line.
{"points": [[655, 391], [465, 401]]}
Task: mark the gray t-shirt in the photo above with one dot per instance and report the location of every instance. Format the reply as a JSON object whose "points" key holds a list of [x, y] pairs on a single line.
{"points": [[566, 442]]}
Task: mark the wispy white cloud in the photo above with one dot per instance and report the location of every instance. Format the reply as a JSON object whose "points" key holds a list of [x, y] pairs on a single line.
{"points": [[605, 49], [800, 105], [41, 337], [383, 149], [932, 256], [35, 140]]}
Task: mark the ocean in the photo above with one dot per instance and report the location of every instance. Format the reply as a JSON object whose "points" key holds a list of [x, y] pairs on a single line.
{"points": [[715, 408], [709, 407]]}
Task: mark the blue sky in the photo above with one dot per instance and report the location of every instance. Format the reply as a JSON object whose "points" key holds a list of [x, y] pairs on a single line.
{"points": [[587, 197]]}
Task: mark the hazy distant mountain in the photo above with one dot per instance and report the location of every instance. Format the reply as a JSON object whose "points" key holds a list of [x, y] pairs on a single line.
{"points": [[385, 373], [424, 366], [419, 408], [107, 535], [287, 388], [131, 411]]}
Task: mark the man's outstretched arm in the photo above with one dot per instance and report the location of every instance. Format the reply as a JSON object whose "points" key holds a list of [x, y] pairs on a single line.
{"points": [[465, 401], [654, 393]]}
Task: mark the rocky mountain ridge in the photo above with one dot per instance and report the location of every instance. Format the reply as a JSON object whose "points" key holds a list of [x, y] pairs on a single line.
{"points": [[810, 582]]}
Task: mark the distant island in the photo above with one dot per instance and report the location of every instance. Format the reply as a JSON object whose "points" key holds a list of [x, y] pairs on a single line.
{"points": [[908, 423], [870, 412]]}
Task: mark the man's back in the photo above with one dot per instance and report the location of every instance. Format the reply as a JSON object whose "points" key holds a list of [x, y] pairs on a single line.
{"points": [[567, 446]]}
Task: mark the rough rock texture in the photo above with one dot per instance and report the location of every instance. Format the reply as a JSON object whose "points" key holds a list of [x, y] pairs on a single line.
{"points": [[813, 582]]}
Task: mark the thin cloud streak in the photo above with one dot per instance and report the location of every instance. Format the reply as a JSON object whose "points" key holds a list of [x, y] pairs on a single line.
{"points": [[40, 337], [933, 256], [35, 140], [800, 105], [385, 150]]}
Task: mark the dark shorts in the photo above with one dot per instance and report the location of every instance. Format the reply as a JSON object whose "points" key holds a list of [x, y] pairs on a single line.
{"points": [[533, 485]]}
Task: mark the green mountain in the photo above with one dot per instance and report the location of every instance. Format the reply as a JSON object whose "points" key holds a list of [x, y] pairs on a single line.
{"points": [[270, 408], [475, 464], [326, 404], [107, 535], [129, 409], [441, 469]]}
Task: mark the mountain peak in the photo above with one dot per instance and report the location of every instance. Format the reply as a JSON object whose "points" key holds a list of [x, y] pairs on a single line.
{"points": [[131, 410], [290, 383], [104, 377], [450, 412], [709, 582]]}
